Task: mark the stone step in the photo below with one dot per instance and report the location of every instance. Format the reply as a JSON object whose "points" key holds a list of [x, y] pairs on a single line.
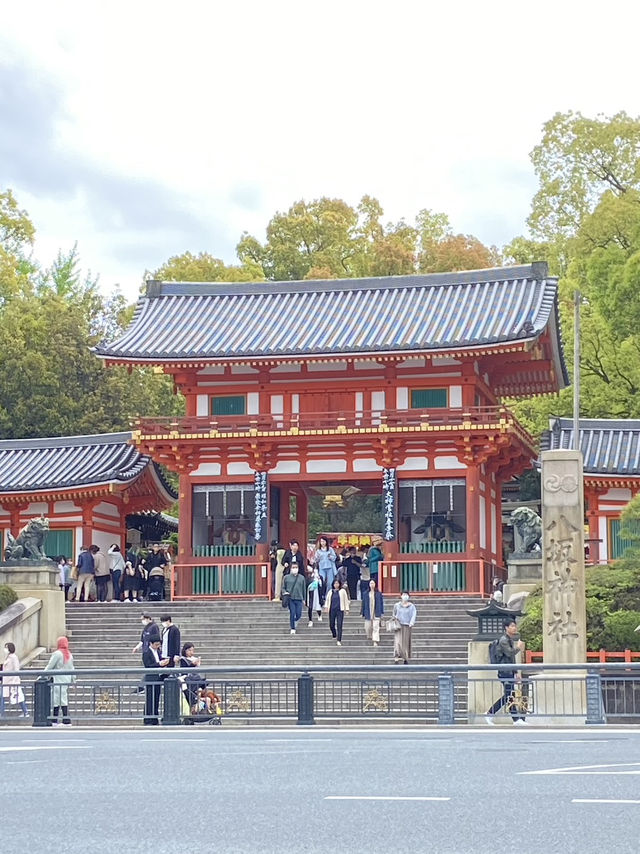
{"points": [[243, 633]]}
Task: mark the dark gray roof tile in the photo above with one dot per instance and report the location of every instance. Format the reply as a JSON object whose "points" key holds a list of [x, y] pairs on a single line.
{"points": [[443, 311], [609, 446], [66, 461]]}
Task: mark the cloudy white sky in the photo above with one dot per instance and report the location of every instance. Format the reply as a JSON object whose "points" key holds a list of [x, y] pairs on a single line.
{"points": [[143, 129]]}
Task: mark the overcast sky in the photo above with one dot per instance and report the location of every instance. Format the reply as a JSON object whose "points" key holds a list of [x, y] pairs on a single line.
{"points": [[143, 129]]}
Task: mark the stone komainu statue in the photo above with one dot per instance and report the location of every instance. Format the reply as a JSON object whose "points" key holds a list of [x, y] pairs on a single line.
{"points": [[529, 527], [29, 542]]}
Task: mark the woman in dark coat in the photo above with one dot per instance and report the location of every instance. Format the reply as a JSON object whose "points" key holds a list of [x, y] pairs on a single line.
{"points": [[192, 681], [131, 583], [372, 611]]}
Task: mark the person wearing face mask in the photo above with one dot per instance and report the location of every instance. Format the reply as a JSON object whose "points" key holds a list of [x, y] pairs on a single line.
{"points": [[170, 640], [405, 613], [294, 557], [294, 589], [11, 693], [150, 632]]}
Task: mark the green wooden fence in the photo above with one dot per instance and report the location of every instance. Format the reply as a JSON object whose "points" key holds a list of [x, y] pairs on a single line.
{"points": [[224, 551], [236, 580], [618, 545], [434, 547], [448, 577]]}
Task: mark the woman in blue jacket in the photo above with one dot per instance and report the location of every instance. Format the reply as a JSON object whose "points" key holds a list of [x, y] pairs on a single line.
{"points": [[372, 610]]}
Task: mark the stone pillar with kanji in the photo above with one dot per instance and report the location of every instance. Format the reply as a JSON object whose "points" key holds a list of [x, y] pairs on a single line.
{"points": [[565, 621], [561, 695]]}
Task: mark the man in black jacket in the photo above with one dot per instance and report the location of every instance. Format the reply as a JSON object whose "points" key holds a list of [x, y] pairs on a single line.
{"points": [[151, 659], [509, 646], [150, 632], [170, 640]]}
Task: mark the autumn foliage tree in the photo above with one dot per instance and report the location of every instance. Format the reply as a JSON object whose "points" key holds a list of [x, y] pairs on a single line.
{"points": [[327, 238]]}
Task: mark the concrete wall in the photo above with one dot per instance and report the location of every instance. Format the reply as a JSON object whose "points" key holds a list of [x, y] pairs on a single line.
{"points": [[20, 624]]}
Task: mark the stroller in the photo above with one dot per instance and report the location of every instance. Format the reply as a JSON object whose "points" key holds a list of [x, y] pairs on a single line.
{"points": [[155, 588], [200, 703]]}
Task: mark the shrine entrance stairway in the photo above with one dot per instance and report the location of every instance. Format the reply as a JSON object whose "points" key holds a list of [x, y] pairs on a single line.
{"points": [[242, 633]]}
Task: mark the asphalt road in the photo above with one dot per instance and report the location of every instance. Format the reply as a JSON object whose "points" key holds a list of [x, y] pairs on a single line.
{"points": [[314, 790]]}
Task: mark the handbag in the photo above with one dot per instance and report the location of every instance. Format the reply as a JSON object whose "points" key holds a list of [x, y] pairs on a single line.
{"points": [[16, 695], [73, 575], [393, 625], [285, 596]]}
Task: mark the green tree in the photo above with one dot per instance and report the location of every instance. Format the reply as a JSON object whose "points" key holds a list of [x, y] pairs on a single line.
{"points": [[577, 160], [205, 268], [16, 240], [320, 234], [586, 214], [51, 383], [327, 238]]}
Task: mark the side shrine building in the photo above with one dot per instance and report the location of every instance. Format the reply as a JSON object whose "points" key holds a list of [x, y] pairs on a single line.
{"points": [[385, 386], [611, 453], [86, 485]]}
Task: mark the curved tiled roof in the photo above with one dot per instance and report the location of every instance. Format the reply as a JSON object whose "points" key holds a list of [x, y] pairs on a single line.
{"points": [[28, 465], [417, 313], [609, 446]]}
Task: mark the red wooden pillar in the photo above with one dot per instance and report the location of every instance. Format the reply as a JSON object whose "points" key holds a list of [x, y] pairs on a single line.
{"points": [[468, 386], [14, 519], [191, 405], [87, 523], [474, 574], [594, 530], [498, 501], [185, 529]]}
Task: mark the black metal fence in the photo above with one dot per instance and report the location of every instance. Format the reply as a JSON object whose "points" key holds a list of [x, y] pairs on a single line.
{"points": [[445, 695]]}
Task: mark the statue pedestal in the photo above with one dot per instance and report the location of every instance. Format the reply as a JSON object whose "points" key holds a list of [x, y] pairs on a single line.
{"points": [[525, 574], [39, 579]]}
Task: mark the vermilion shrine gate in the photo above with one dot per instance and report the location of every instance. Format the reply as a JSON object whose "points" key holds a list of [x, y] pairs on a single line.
{"points": [[388, 385]]}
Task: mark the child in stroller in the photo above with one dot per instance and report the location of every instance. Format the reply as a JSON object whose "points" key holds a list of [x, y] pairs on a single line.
{"points": [[155, 588], [207, 703]]}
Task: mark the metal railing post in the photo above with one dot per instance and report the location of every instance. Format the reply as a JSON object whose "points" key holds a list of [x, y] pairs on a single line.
{"points": [[595, 713], [305, 700], [445, 700], [42, 701], [171, 706]]}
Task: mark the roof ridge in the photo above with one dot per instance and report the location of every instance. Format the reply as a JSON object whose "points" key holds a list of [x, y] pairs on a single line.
{"points": [[567, 421], [537, 270], [66, 441]]}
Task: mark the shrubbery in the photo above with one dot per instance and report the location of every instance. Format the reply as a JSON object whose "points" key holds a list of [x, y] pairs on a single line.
{"points": [[7, 596], [613, 610]]}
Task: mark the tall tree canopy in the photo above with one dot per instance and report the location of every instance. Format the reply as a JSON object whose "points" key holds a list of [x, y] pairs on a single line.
{"points": [[327, 238], [204, 268], [51, 384], [586, 215]]}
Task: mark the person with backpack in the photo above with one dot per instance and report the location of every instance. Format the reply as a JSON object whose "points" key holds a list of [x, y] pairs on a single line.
{"points": [[504, 651]]}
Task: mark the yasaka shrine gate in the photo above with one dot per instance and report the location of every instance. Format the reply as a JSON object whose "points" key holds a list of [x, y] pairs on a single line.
{"points": [[390, 386]]}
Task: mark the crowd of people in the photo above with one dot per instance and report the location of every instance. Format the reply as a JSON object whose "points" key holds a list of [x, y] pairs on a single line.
{"points": [[115, 577], [330, 582]]}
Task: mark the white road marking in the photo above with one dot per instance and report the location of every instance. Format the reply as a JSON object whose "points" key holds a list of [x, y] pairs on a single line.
{"points": [[294, 740], [45, 747], [169, 740], [380, 798], [603, 801], [589, 769]]}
